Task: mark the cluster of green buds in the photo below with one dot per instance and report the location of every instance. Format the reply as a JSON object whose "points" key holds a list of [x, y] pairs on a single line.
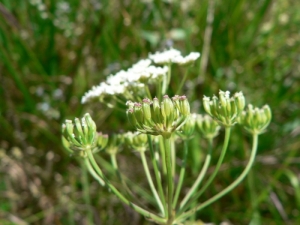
{"points": [[187, 129], [208, 127], [80, 134], [101, 142], [225, 109], [152, 117], [137, 141], [114, 143], [255, 120]]}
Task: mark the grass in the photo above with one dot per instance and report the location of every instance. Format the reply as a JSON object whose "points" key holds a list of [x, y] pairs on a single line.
{"points": [[52, 52]]}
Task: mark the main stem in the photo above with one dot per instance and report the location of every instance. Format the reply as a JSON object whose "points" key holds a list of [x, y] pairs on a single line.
{"points": [[230, 187], [86, 192], [167, 143]]}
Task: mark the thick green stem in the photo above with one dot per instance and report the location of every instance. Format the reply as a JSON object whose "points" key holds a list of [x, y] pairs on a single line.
{"points": [[137, 208], [219, 163], [163, 155], [182, 173], [150, 181], [183, 80], [229, 188], [92, 171], [173, 156], [86, 193], [167, 144], [157, 173], [199, 178]]}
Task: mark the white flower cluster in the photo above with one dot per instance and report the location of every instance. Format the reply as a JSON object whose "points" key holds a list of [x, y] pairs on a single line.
{"points": [[136, 76], [190, 58], [139, 74], [173, 56], [165, 57]]}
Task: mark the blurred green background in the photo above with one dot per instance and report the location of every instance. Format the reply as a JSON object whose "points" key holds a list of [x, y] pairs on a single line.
{"points": [[52, 51]]}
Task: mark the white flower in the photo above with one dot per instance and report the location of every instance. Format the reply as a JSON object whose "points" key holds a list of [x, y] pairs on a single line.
{"points": [[192, 57], [157, 72], [118, 78], [165, 57], [143, 63], [132, 80], [101, 90]]}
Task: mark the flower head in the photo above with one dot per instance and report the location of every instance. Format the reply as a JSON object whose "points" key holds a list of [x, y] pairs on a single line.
{"points": [[80, 134], [186, 131], [152, 117], [165, 57], [208, 127], [137, 141], [255, 120], [187, 60], [225, 109]]}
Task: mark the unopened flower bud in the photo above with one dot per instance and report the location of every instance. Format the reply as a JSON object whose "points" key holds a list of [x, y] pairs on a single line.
{"points": [[167, 107], [184, 106], [139, 142], [114, 142], [156, 111], [240, 101], [147, 110], [206, 104], [101, 143], [186, 131], [131, 117], [138, 113]]}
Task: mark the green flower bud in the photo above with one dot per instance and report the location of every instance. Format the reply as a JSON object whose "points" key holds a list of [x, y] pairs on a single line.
{"points": [[156, 111], [89, 122], [167, 107], [140, 142], [176, 101], [207, 105], [101, 143], [240, 101], [184, 106], [114, 142], [147, 110], [255, 120], [186, 131], [138, 113], [168, 111], [208, 127], [131, 117]]}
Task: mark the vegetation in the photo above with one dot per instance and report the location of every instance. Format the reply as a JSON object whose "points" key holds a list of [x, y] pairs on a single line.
{"points": [[52, 52]]}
